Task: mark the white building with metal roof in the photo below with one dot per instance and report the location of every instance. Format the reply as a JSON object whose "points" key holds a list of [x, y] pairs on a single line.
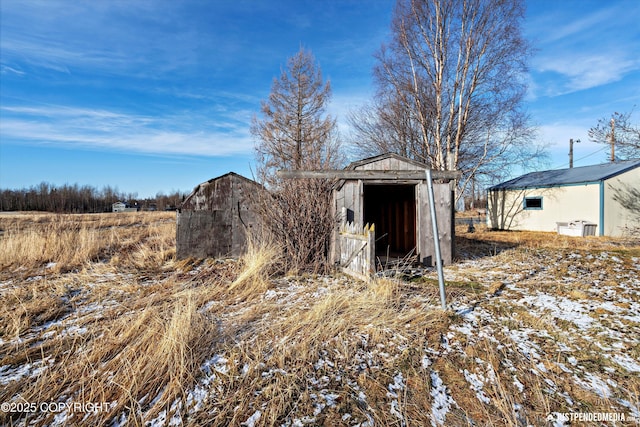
{"points": [[597, 194]]}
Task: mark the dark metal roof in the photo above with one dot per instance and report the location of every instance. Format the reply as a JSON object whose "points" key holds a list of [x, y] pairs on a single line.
{"points": [[560, 177]]}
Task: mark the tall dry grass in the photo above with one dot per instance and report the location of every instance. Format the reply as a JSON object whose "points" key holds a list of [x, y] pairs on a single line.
{"points": [[279, 352], [139, 361], [132, 327], [80, 307], [103, 325], [487, 242], [67, 241]]}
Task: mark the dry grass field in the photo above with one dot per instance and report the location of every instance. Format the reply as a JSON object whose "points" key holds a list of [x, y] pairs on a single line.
{"points": [[100, 325]]}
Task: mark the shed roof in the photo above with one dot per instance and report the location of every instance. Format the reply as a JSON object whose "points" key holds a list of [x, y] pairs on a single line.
{"points": [[198, 187], [560, 177], [356, 164]]}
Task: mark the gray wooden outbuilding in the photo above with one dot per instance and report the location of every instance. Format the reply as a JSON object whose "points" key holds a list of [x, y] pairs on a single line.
{"points": [[214, 219], [396, 201], [389, 192]]}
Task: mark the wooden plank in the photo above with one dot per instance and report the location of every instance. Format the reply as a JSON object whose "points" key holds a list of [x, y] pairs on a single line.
{"points": [[357, 250], [370, 174]]}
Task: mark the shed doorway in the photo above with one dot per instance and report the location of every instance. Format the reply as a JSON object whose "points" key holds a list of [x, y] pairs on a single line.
{"points": [[392, 208]]}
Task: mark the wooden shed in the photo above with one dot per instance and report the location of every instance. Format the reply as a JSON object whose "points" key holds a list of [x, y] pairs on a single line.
{"points": [[391, 192], [214, 219]]}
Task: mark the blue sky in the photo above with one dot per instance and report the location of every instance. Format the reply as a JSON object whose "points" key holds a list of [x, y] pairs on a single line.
{"points": [[158, 95]]}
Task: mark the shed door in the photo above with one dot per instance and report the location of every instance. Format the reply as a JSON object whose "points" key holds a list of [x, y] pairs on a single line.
{"points": [[392, 208]]}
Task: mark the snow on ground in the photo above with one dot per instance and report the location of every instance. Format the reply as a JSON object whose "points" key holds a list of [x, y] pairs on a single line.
{"points": [[442, 401], [590, 313], [563, 323]]}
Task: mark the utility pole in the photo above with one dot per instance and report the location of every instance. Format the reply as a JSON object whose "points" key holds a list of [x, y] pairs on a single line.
{"points": [[571, 152], [613, 140]]}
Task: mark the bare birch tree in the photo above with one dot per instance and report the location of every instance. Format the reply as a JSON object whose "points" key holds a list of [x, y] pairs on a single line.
{"points": [[454, 77], [295, 132]]}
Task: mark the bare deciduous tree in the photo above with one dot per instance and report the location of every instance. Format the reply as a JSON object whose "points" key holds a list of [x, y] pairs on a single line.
{"points": [[623, 137], [295, 132], [451, 84], [624, 134]]}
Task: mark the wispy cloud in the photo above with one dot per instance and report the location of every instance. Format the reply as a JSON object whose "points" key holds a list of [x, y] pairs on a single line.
{"points": [[586, 52], [5, 69], [108, 130], [568, 27], [585, 70], [114, 38]]}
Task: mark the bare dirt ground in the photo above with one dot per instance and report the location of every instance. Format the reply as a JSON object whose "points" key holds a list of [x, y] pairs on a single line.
{"points": [[102, 326]]}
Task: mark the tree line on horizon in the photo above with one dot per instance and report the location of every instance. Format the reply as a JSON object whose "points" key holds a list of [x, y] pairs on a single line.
{"points": [[73, 198]]}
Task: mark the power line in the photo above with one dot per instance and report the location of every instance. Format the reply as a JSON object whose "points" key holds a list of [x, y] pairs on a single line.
{"points": [[563, 166]]}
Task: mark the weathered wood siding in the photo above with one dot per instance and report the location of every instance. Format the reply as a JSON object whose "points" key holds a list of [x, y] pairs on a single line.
{"points": [[213, 220], [358, 255], [443, 197], [349, 198], [203, 234]]}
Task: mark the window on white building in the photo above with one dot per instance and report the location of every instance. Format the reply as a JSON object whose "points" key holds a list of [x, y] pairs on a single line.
{"points": [[533, 202]]}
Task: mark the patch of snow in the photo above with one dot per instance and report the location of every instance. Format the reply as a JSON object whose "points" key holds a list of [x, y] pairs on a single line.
{"points": [[398, 385], [270, 294], [197, 397], [8, 374], [253, 419], [321, 363], [425, 362], [563, 347], [465, 329], [217, 363], [476, 381], [526, 346], [395, 410], [518, 384], [635, 410], [626, 362], [393, 389], [594, 383], [442, 401], [272, 372], [559, 307], [567, 398]]}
